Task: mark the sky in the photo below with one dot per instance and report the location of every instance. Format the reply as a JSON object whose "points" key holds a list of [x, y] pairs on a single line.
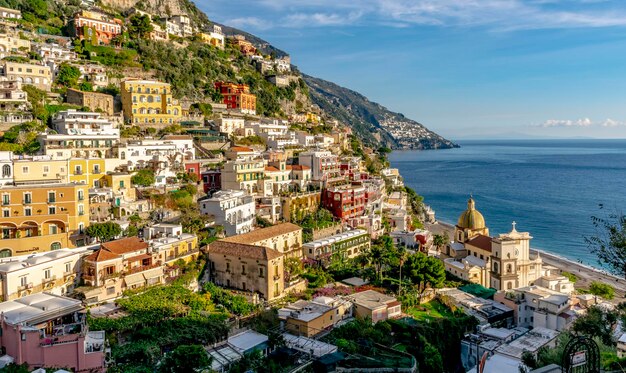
{"points": [[463, 68]]}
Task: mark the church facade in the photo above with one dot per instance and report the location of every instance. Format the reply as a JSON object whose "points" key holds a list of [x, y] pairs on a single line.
{"points": [[503, 262]]}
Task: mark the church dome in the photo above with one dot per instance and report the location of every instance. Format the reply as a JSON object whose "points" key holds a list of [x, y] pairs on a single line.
{"points": [[471, 218]]}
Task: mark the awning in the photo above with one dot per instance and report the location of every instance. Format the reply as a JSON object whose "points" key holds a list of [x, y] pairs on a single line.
{"points": [[153, 273], [134, 279]]}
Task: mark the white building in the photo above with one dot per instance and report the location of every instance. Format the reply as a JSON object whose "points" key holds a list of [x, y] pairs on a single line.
{"points": [[230, 125], [179, 25], [323, 164], [233, 209], [80, 134], [14, 105], [6, 167], [53, 272], [557, 283], [8, 13]]}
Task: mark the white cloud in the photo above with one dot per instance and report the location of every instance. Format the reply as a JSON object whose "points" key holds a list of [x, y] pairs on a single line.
{"points": [[500, 15], [251, 22], [580, 123]]}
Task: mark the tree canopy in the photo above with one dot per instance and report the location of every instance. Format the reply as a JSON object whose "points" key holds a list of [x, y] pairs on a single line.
{"points": [[185, 358], [104, 231], [144, 177], [609, 241]]}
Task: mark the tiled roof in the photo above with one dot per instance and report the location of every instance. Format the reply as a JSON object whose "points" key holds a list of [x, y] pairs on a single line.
{"points": [[242, 250], [481, 241], [271, 169], [298, 167], [125, 245], [176, 137], [263, 233], [240, 149], [101, 255]]}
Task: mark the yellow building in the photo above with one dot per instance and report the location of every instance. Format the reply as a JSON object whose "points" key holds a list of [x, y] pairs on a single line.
{"points": [[41, 169], [243, 174], [149, 103], [87, 171], [39, 216], [38, 75]]}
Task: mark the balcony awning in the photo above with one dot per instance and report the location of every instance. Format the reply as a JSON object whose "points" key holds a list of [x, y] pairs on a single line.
{"points": [[134, 279], [153, 273]]}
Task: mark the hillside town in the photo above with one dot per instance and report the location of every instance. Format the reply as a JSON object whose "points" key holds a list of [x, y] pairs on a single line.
{"points": [[147, 230]]}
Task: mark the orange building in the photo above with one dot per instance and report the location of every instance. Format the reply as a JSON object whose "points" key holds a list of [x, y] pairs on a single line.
{"points": [[243, 45], [38, 217], [237, 96]]}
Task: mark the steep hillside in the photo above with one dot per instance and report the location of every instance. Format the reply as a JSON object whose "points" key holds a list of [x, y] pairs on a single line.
{"points": [[372, 121]]}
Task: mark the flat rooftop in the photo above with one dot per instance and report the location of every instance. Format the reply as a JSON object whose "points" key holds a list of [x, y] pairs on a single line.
{"points": [[335, 238], [38, 308]]}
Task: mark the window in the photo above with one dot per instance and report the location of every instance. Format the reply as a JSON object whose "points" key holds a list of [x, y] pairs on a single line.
{"points": [[78, 170], [23, 280], [6, 171], [46, 273], [51, 197], [6, 213], [55, 245], [25, 169], [227, 267], [52, 210], [243, 269], [121, 183], [68, 267], [261, 274], [111, 290], [46, 169], [5, 253], [28, 211], [53, 229]]}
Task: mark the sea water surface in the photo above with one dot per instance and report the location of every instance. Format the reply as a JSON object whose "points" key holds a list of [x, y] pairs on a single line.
{"points": [[550, 188]]}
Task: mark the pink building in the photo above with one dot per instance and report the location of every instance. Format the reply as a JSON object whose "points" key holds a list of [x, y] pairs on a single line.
{"points": [[46, 330]]}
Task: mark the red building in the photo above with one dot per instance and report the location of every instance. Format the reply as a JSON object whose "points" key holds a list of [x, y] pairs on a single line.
{"points": [[50, 330], [193, 168], [345, 202], [211, 181], [96, 27], [237, 97]]}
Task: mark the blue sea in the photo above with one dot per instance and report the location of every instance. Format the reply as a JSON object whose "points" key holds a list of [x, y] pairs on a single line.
{"points": [[551, 188]]}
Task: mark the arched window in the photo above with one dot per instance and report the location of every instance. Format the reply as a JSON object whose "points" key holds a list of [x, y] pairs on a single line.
{"points": [[55, 246], [123, 156], [5, 253], [150, 99], [6, 170], [509, 268]]}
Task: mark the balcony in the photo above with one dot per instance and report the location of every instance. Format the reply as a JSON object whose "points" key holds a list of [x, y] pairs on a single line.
{"points": [[25, 287], [142, 268], [89, 277], [181, 255], [49, 280]]}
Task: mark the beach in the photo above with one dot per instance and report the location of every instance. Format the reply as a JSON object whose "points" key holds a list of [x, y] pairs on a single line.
{"points": [[585, 274]]}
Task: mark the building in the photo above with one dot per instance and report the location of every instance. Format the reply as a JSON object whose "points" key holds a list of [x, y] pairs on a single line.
{"points": [[251, 269], [214, 38], [232, 209], [345, 202], [45, 330], [487, 311], [53, 272], [80, 134], [310, 318], [179, 25], [244, 46], [39, 76], [243, 174], [39, 217], [621, 346], [14, 105], [470, 269], [228, 353], [8, 13], [11, 44], [230, 125], [296, 206], [211, 181], [370, 304], [338, 247], [285, 238], [95, 27], [535, 306], [149, 103], [507, 256], [323, 164], [132, 263], [93, 100], [237, 97]]}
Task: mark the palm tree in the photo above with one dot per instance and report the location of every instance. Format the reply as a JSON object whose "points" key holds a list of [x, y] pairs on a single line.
{"points": [[402, 256], [440, 240]]}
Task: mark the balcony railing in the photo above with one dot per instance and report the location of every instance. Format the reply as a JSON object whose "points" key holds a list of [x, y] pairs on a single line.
{"points": [[24, 287], [49, 279], [141, 268], [89, 277]]}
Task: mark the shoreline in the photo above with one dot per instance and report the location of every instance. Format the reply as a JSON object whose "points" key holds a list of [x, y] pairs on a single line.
{"points": [[585, 273]]}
